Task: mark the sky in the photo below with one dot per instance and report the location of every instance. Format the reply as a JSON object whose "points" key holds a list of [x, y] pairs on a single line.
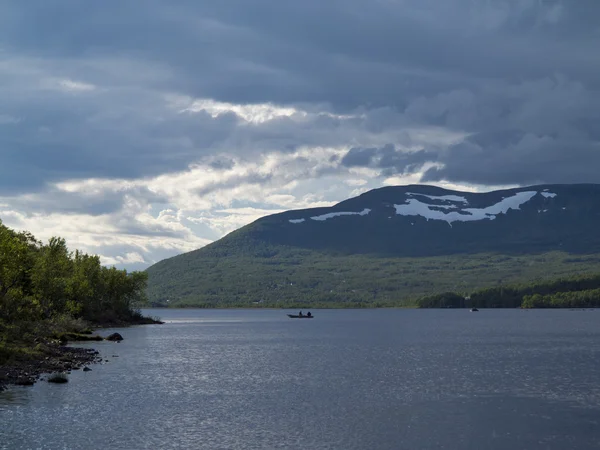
{"points": [[139, 130]]}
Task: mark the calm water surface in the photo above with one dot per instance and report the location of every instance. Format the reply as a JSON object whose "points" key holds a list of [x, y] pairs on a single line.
{"points": [[375, 379]]}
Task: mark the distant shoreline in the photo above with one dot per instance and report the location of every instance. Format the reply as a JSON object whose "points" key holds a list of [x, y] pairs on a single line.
{"points": [[317, 308], [279, 308]]}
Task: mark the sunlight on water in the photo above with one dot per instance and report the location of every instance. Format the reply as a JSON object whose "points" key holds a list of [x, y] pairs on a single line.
{"points": [[208, 321]]}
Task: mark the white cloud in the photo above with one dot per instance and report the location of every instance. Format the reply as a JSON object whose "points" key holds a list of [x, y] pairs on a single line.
{"points": [[187, 220], [258, 113], [70, 85], [224, 221], [355, 182], [128, 259], [67, 85]]}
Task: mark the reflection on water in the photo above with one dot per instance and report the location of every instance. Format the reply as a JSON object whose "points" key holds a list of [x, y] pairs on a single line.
{"points": [[376, 379]]}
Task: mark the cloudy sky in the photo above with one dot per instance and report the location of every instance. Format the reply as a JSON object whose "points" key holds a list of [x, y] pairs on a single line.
{"points": [[142, 129]]}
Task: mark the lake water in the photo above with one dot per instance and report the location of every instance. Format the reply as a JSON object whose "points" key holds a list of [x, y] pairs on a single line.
{"points": [[365, 379]]}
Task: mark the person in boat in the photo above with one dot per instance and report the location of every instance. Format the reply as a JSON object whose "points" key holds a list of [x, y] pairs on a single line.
{"points": [[309, 314], [300, 314]]}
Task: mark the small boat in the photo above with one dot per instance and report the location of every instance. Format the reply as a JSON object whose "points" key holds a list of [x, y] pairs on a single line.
{"points": [[296, 316], [474, 310]]}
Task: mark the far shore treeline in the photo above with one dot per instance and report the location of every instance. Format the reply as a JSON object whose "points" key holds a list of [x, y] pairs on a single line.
{"points": [[582, 291]]}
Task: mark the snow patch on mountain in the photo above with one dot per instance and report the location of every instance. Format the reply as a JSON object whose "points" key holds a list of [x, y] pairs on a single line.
{"points": [[452, 198], [414, 207], [323, 217], [364, 212], [444, 206], [548, 194]]}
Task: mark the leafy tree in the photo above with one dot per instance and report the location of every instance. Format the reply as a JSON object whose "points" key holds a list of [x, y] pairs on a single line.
{"points": [[17, 252], [45, 281], [51, 273]]}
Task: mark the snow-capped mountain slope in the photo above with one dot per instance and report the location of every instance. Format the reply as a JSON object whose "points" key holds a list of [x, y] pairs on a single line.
{"points": [[366, 247], [426, 220], [448, 208]]}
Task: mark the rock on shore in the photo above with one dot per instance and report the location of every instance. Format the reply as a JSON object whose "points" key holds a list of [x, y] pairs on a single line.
{"points": [[116, 337]]}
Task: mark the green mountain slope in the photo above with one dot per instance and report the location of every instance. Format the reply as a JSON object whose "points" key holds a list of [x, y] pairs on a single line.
{"points": [[390, 246]]}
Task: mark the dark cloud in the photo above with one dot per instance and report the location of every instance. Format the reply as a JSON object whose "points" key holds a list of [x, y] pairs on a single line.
{"points": [[519, 158], [94, 202], [388, 158], [359, 157], [223, 164], [520, 78], [297, 51], [73, 136]]}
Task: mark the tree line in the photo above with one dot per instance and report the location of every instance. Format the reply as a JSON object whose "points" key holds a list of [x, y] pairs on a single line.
{"points": [[581, 291], [40, 281]]}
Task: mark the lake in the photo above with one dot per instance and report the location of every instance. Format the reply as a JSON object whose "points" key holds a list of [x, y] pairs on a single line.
{"points": [[347, 379]]}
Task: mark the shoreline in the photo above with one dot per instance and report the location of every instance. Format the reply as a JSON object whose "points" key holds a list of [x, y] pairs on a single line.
{"points": [[280, 308], [317, 308], [56, 359], [56, 356]]}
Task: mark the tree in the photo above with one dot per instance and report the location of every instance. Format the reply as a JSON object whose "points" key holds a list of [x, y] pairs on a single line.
{"points": [[16, 261], [51, 273]]}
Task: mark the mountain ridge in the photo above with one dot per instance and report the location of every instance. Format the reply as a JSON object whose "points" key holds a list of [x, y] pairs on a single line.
{"points": [[452, 234], [393, 223]]}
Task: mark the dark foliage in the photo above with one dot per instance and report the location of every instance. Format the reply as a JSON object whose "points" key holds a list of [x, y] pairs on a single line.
{"points": [[581, 291]]}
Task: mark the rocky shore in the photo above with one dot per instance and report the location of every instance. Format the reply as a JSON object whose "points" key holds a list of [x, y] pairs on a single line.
{"points": [[51, 356], [56, 359]]}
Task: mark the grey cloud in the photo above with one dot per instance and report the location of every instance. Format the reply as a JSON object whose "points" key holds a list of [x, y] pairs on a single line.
{"points": [[388, 158], [310, 51], [223, 164], [135, 228], [100, 135], [485, 69], [95, 203], [234, 181], [359, 157], [62, 136], [519, 158]]}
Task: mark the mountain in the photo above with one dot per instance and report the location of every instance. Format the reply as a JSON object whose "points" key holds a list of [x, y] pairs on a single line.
{"points": [[390, 245]]}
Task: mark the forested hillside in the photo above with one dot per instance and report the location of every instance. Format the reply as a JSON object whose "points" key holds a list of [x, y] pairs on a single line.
{"points": [[390, 246]]}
